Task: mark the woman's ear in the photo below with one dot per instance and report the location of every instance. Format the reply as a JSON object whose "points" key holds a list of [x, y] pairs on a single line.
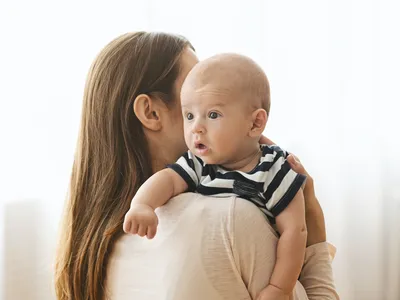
{"points": [[146, 110], [259, 119]]}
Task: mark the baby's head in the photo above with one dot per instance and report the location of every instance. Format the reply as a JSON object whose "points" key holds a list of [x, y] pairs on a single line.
{"points": [[225, 103]]}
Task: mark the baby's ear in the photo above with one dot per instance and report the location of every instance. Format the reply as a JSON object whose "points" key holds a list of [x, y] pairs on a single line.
{"points": [[259, 118]]}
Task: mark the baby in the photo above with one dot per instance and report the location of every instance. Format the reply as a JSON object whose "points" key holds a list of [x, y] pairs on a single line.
{"points": [[225, 104]]}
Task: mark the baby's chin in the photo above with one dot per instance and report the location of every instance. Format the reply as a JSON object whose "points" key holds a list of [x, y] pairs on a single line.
{"points": [[208, 158]]}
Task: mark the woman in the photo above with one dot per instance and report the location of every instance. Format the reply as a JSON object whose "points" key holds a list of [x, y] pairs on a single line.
{"points": [[131, 127]]}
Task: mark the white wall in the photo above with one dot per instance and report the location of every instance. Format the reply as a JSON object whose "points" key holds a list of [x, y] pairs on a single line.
{"points": [[333, 68]]}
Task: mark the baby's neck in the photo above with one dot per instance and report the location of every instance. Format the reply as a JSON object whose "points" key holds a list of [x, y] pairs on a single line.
{"points": [[245, 164]]}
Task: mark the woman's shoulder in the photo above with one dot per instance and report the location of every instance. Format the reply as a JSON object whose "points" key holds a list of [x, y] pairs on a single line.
{"points": [[196, 235], [199, 213], [229, 211], [232, 213]]}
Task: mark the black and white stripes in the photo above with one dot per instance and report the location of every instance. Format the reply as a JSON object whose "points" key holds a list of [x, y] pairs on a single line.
{"points": [[271, 185]]}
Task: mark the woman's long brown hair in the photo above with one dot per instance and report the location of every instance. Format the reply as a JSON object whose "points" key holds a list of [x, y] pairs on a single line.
{"points": [[111, 159]]}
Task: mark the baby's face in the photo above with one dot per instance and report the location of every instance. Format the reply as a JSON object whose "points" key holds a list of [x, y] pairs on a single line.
{"points": [[216, 123]]}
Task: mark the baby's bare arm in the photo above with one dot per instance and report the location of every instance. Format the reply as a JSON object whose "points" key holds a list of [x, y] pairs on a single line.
{"points": [[159, 188], [291, 245], [155, 192]]}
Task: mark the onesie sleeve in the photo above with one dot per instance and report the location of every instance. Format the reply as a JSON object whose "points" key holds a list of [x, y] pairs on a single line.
{"points": [[190, 168], [281, 183]]}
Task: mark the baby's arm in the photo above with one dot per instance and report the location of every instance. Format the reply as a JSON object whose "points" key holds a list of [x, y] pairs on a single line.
{"points": [[291, 246], [155, 192]]}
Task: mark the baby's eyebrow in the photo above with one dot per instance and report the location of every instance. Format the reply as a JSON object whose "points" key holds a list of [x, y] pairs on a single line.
{"points": [[219, 104]]}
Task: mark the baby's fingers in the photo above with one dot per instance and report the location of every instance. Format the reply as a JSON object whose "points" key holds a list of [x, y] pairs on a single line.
{"points": [[134, 228], [151, 231], [142, 230], [126, 226]]}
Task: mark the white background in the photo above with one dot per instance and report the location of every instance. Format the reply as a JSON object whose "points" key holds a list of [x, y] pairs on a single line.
{"points": [[334, 72]]}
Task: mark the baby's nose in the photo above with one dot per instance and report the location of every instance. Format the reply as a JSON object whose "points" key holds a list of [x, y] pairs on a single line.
{"points": [[198, 127]]}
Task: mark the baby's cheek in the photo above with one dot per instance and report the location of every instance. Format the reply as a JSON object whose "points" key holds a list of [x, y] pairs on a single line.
{"points": [[226, 139], [187, 137]]}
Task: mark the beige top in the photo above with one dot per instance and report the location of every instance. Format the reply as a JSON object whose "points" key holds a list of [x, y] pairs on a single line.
{"points": [[206, 249]]}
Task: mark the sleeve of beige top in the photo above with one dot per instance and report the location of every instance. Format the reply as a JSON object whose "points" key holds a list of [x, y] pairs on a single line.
{"points": [[316, 275], [254, 250]]}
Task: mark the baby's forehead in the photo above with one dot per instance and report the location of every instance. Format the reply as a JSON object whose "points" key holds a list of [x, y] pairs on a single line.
{"points": [[216, 82], [215, 95], [217, 89], [218, 74], [231, 75]]}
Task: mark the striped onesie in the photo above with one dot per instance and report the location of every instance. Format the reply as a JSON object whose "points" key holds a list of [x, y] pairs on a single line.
{"points": [[271, 185]]}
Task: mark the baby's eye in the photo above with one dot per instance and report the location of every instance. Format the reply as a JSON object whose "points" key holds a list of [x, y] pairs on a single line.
{"points": [[213, 115], [189, 116]]}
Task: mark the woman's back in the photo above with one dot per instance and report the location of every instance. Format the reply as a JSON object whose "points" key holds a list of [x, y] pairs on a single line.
{"points": [[203, 250], [209, 248]]}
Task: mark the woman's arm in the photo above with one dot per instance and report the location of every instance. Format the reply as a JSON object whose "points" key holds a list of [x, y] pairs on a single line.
{"points": [[316, 275]]}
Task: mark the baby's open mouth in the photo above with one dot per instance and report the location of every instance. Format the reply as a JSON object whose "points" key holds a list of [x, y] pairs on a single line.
{"points": [[201, 146], [201, 149]]}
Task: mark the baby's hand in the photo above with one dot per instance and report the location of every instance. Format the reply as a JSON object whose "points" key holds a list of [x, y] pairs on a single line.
{"points": [[142, 220], [272, 293]]}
